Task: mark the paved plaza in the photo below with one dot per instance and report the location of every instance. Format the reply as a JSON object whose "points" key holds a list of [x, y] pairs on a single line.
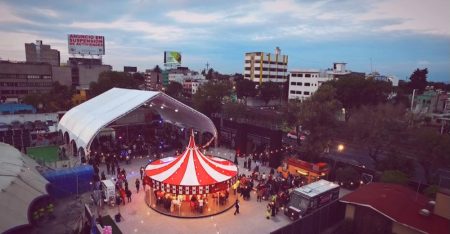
{"points": [[139, 218]]}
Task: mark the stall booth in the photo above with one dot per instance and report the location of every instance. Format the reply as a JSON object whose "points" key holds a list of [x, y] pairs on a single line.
{"points": [[191, 184]]}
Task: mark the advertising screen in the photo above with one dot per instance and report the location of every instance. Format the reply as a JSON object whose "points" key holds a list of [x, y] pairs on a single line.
{"points": [[172, 57], [86, 44]]}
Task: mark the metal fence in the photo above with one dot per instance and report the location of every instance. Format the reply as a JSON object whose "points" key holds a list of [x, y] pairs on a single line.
{"points": [[317, 221]]}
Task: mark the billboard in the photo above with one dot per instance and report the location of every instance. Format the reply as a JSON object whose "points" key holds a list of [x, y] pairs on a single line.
{"points": [[86, 44], [172, 57]]}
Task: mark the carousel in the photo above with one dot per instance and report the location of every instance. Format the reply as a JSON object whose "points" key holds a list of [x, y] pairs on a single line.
{"points": [[191, 184]]}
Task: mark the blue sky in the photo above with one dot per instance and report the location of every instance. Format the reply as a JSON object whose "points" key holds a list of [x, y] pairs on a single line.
{"points": [[398, 36]]}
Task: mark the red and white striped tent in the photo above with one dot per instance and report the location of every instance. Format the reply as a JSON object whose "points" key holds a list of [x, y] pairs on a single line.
{"points": [[191, 172]]}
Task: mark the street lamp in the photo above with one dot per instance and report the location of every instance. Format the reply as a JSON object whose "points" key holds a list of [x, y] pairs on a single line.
{"points": [[340, 147]]}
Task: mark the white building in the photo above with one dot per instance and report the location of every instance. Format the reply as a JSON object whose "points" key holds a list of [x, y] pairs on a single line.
{"points": [[264, 67], [303, 83], [190, 87], [389, 78], [180, 75]]}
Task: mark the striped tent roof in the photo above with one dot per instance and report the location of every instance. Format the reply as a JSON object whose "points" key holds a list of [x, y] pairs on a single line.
{"points": [[191, 168]]}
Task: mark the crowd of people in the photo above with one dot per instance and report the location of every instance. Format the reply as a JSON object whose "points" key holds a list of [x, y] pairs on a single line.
{"points": [[271, 187]]}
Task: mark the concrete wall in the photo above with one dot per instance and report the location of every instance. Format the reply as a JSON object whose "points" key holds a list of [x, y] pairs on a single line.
{"points": [[90, 73], [28, 117], [63, 75], [349, 211], [442, 207], [401, 229]]}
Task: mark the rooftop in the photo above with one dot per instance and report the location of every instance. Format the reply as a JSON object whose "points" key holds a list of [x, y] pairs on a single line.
{"points": [[398, 203]]}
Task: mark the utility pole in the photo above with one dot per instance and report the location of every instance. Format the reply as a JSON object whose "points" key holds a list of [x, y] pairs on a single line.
{"points": [[412, 99]]}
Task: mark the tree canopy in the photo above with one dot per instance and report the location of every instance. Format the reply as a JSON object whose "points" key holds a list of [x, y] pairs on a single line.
{"points": [[245, 88], [269, 90], [318, 115], [209, 96], [110, 79], [174, 89], [353, 92], [419, 79], [57, 99]]}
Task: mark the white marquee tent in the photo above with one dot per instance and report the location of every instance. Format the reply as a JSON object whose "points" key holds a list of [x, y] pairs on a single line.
{"points": [[83, 122], [20, 184]]}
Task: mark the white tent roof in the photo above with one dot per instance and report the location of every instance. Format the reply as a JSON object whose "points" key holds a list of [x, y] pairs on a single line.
{"points": [[84, 121], [20, 184]]}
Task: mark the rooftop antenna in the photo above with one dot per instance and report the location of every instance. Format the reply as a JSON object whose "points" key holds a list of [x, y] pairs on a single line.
{"points": [[371, 68], [207, 66]]}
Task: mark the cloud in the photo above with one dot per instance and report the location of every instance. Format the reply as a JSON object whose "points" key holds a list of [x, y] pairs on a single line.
{"points": [[411, 15], [183, 16], [46, 12], [8, 15], [149, 30]]}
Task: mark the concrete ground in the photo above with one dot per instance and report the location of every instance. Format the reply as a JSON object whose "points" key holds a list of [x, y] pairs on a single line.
{"points": [[139, 218]]}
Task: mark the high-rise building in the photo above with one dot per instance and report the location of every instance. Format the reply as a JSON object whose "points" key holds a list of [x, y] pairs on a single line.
{"points": [[40, 53], [264, 67]]}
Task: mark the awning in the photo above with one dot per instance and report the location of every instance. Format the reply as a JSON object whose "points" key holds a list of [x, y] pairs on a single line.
{"points": [[191, 172]]}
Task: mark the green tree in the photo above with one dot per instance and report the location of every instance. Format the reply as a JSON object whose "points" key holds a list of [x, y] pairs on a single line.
{"points": [[269, 90], [353, 92], [394, 177], [209, 97], [318, 115], [110, 79], [376, 127], [174, 89], [432, 151], [419, 79], [57, 99], [157, 69], [245, 88]]}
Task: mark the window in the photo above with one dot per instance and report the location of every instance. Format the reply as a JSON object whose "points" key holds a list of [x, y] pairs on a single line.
{"points": [[307, 84], [292, 83], [299, 83], [306, 93], [292, 92], [33, 77], [298, 92], [307, 75], [247, 68]]}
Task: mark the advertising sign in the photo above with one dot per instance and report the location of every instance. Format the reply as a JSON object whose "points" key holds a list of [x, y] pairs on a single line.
{"points": [[86, 44], [172, 57]]}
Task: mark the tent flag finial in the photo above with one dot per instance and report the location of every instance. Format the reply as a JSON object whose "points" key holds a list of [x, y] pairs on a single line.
{"points": [[191, 140]]}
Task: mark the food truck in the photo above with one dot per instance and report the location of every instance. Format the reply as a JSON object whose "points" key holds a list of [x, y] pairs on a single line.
{"points": [[108, 192], [311, 197], [310, 171]]}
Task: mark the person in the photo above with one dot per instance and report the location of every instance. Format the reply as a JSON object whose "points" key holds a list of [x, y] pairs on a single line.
{"points": [[137, 185], [108, 167], [113, 168], [268, 209], [128, 195], [103, 176], [236, 205], [249, 164], [259, 195], [142, 172], [126, 185]]}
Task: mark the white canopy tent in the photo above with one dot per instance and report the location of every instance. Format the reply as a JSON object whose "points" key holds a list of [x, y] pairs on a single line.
{"points": [[20, 184], [83, 122]]}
